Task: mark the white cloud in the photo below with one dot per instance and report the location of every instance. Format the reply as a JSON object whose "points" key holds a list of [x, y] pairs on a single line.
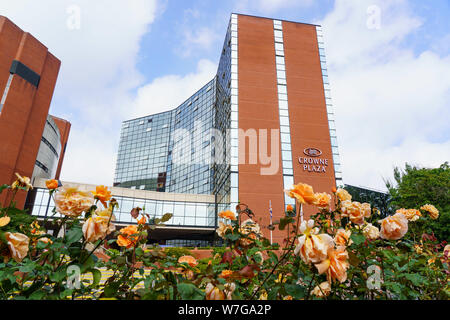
{"points": [[202, 38], [167, 92], [269, 6], [391, 103], [97, 75]]}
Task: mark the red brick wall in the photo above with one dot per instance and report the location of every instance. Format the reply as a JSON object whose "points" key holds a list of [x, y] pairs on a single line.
{"points": [[307, 108], [23, 116], [258, 109]]}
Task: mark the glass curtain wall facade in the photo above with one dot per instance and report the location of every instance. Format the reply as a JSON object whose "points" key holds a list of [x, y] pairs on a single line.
{"points": [[187, 214], [170, 151], [180, 150]]}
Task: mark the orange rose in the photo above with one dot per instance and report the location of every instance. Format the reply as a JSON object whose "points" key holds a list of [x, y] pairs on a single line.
{"points": [[342, 237], [99, 225], [18, 245], [336, 264], [102, 194], [142, 220], [447, 251], [302, 192], [213, 293], [312, 247], [343, 195], [394, 227], [51, 184], [289, 208], [410, 214], [128, 237], [72, 202], [322, 200], [250, 229], [371, 232], [355, 211], [227, 215], [190, 260], [434, 213], [226, 274], [23, 182], [4, 221], [322, 290], [223, 229]]}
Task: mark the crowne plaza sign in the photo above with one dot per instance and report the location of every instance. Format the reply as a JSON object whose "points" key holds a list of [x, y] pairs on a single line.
{"points": [[313, 162]]}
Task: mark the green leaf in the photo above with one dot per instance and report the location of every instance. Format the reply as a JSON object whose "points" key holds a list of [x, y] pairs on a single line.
{"points": [[296, 291], [232, 236], [388, 254], [357, 238], [58, 275], [3, 187], [96, 276], [66, 293], [111, 288], [353, 259], [166, 217], [37, 295], [188, 291], [284, 222], [27, 268], [416, 279], [74, 235]]}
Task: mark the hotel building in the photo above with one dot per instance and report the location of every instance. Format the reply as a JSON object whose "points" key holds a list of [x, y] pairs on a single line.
{"points": [[263, 123]]}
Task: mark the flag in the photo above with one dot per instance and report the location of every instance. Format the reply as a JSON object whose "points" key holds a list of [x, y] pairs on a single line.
{"points": [[270, 209]]}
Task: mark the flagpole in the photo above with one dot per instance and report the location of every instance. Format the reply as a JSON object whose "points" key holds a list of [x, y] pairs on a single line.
{"points": [[270, 210]]}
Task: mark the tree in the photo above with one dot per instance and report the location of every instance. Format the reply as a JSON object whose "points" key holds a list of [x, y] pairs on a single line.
{"points": [[418, 186]]}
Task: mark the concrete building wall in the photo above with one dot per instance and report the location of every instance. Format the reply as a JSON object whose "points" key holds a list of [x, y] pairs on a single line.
{"points": [[64, 130]]}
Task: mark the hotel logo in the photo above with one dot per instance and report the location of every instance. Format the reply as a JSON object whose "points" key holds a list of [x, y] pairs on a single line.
{"points": [[312, 163], [312, 152]]}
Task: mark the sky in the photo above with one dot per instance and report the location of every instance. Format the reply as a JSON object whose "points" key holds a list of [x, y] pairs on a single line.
{"points": [[388, 65]]}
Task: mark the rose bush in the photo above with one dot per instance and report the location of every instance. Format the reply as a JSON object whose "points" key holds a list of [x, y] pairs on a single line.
{"points": [[344, 251]]}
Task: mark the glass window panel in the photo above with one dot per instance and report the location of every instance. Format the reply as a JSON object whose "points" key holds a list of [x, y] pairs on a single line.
{"points": [[285, 138], [279, 46], [189, 221], [278, 33], [201, 210], [201, 221], [288, 181], [190, 210], [284, 121], [286, 147], [286, 155], [168, 207], [283, 104], [284, 113], [284, 129]]}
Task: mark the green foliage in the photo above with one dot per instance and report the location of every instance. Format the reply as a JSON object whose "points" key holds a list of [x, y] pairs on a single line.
{"points": [[177, 252], [418, 186], [248, 267]]}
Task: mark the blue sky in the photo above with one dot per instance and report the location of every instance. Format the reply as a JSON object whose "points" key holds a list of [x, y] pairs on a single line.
{"points": [[390, 85]]}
